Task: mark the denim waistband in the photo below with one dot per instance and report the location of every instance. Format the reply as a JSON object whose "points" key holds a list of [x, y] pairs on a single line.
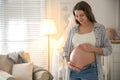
{"points": [[93, 64], [88, 73]]}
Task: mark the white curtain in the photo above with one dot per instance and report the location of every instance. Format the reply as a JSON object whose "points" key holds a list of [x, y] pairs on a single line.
{"points": [[58, 71], [20, 29]]}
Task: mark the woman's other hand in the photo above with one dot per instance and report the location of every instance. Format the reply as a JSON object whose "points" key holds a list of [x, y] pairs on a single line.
{"points": [[67, 58], [91, 48]]}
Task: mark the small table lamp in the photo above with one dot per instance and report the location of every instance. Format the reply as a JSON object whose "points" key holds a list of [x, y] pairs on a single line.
{"points": [[48, 28]]}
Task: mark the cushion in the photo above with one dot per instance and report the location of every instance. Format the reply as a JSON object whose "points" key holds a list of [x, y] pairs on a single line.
{"points": [[23, 71], [5, 64], [80, 58], [5, 76]]}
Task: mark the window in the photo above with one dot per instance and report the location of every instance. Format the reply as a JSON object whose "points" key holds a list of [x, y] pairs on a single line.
{"points": [[20, 29]]}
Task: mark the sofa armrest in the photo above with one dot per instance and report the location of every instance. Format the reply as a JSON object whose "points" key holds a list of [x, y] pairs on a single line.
{"points": [[41, 75], [5, 76]]}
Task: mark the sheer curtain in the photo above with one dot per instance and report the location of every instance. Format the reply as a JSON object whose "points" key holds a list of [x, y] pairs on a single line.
{"points": [[58, 71], [20, 29]]}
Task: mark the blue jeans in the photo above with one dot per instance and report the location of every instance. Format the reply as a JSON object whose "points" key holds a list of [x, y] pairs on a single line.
{"points": [[75, 79], [89, 73]]}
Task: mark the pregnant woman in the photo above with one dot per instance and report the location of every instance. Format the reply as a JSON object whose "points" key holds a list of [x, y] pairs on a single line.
{"points": [[92, 38]]}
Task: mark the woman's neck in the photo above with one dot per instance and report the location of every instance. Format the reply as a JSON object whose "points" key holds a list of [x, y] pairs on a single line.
{"points": [[87, 24], [85, 28]]}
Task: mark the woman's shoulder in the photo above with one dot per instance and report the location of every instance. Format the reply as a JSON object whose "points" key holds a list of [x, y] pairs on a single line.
{"points": [[99, 25], [74, 28]]}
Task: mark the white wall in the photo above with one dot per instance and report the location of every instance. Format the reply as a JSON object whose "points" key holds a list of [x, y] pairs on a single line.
{"points": [[105, 11]]}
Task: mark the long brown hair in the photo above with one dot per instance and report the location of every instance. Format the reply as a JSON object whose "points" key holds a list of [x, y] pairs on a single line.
{"points": [[84, 6]]}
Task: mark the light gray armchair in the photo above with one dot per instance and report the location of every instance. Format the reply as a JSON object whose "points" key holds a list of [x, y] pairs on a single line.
{"points": [[6, 67]]}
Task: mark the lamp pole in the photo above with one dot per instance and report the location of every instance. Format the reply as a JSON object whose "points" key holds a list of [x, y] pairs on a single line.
{"points": [[48, 52], [48, 28]]}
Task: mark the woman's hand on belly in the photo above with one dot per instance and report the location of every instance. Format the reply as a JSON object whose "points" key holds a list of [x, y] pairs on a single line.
{"points": [[91, 48], [88, 47]]}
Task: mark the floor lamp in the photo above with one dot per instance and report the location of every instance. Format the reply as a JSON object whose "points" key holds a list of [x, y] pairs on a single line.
{"points": [[48, 28]]}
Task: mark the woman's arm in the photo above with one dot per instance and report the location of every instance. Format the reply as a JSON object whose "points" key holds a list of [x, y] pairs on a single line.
{"points": [[98, 50], [105, 46], [92, 49]]}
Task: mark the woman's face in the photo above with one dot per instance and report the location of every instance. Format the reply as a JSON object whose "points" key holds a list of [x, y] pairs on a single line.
{"points": [[80, 16]]}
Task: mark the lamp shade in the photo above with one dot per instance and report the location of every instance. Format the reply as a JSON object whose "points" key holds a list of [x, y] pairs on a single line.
{"points": [[48, 27]]}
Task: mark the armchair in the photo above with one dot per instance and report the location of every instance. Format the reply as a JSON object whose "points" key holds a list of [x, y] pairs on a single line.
{"points": [[7, 63]]}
